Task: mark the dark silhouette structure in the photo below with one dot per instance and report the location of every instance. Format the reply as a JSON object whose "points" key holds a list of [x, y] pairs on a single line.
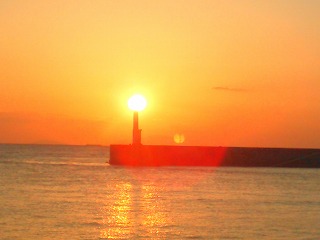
{"points": [[159, 155], [136, 132], [137, 154]]}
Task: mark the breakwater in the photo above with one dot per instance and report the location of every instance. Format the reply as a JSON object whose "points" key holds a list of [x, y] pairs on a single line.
{"points": [[162, 155]]}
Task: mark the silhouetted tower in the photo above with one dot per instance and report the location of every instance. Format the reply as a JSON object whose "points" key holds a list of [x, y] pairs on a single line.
{"points": [[136, 133]]}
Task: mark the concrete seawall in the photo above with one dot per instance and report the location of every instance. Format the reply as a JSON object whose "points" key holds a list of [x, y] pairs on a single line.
{"points": [[161, 155]]}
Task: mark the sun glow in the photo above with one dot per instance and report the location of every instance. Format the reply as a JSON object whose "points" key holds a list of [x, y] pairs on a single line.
{"points": [[137, 102]]}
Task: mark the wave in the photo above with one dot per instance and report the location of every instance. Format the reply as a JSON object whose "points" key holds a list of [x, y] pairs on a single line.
{"points": [[65, 163]]}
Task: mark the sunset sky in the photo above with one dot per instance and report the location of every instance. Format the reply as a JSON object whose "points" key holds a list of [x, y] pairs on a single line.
{"points": [[226, 73]]}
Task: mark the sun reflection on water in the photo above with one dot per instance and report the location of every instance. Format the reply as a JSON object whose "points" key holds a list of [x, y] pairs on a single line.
{"points": [[137, 210], [154, 217], [118, 216]]}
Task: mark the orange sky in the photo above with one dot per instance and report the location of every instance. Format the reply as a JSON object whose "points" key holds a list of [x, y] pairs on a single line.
{"points": [[231, 72]]}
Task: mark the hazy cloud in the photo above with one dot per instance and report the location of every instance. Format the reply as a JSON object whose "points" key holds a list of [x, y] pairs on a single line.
{"points": [[219, 88]]}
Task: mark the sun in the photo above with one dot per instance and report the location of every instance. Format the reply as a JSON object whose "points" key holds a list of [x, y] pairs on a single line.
{"points": [[137, 103]]}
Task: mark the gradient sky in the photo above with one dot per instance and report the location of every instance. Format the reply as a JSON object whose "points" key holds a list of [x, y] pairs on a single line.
{"points": [[229, 72]]}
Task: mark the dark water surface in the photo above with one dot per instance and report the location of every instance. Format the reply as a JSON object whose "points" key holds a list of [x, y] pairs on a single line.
{"points": [[69, 192]]}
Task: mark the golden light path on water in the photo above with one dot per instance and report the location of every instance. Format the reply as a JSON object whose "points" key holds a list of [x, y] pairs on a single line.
{"points": [[153, 219], [134, 212], [117, 216]]}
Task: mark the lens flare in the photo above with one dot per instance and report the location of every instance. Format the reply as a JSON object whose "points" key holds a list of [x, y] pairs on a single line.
{"points": [[178, 138]]}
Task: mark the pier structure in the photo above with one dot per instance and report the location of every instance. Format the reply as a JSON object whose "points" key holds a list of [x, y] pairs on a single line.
{"points": [[137, 154]]}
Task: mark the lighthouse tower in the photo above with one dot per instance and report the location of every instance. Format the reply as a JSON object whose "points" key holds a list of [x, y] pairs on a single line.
{"points": [[136, 103], [136, 133]]}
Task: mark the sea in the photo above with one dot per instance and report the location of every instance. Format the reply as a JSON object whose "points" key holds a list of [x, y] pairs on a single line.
{"points": [[71, 192]]}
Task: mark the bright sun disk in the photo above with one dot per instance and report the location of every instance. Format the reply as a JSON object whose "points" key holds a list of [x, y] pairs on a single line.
{"points": [[137, 102]]}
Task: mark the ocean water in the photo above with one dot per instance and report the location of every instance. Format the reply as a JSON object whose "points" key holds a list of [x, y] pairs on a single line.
{"points": [[70, 192]]}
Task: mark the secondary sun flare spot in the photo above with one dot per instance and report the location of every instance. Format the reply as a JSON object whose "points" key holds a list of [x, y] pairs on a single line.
{"points": [[178, 138], [137, 102]]}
